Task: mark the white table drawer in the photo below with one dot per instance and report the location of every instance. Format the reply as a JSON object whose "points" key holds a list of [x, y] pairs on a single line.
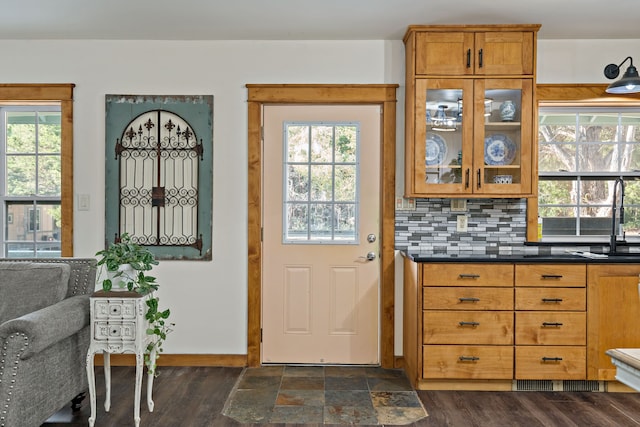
{"points": [[121, 331]]}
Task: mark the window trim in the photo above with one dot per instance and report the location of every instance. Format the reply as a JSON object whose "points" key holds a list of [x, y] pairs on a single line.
{"points": [[61, 93], [589, 95]]}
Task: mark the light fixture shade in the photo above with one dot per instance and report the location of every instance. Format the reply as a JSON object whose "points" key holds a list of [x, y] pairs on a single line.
{"points": [[630, 81]]}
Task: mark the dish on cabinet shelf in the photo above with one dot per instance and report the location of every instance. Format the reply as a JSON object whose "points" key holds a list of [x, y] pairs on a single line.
{"points": [[436, 150], [499, 150]]}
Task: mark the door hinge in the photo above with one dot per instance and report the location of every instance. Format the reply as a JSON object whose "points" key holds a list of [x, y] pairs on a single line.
{"points": [[261, 234], [260, 334], [262, 133]]}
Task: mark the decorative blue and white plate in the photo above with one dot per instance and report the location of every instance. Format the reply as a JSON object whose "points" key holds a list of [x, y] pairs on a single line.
{"points": [[499, 150], [436, 149]]}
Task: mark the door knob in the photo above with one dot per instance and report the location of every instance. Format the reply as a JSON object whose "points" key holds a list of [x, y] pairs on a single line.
{"points": [[370, 256], [371, 238]]}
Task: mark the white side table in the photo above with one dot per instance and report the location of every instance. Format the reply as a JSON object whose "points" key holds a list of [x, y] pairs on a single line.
{"points": [[118, 325]]}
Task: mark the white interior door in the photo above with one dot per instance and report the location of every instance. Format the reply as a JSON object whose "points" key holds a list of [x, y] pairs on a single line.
{"points": [[321, 270]]}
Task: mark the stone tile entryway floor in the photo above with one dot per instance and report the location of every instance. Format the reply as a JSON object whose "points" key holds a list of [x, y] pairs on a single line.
{"points": [[324, 395]]}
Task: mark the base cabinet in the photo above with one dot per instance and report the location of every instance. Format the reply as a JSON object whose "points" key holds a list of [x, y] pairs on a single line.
{"points": [[495, 323], [613, 310], [467, 362]]}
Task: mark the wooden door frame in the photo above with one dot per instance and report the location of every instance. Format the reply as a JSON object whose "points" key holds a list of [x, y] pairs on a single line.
{"points": [[311, 94]]}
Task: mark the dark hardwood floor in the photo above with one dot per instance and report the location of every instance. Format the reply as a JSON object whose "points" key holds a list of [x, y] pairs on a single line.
{"points": [[195, 397]]}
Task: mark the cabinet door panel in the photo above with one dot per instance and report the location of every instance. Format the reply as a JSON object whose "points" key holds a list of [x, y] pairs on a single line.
{"points": [[613, 305], [467, 298], [551, 299], [503, 136], [551, 328], [551, 275], [454, 274], [446, 54], [550, 362], [504, 52], [467, 327], [442, 158], [467, 362]]}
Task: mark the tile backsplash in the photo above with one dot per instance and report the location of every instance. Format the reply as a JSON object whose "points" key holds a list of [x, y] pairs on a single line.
{"points": [[493, 226]]}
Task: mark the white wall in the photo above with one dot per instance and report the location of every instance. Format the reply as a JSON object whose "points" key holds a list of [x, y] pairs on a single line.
{"points": [[209, 299]]}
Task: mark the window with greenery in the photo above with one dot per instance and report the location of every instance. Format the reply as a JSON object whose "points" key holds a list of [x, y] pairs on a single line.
{"points": [[36, 166], [321, 183], [583, 147], [31, 194]]}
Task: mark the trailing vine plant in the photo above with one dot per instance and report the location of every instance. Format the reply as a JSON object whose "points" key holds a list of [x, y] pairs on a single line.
{"points": [[141, 260]]}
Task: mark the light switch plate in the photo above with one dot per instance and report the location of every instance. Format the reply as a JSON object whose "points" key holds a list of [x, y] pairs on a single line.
{"points": [[404, 204]]}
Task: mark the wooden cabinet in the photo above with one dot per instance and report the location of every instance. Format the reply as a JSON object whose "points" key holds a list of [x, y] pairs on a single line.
{"points": [[551, 321], [451, 51], [459, 140], [466, 322], [483, 325], [613, 312]]}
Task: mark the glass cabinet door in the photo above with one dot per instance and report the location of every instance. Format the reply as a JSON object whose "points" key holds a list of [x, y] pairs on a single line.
{"points": [[443, 135], [502, 135]]}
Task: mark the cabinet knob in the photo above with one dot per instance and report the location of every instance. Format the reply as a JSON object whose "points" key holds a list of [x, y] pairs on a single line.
{"points": [[551, 359], [468, 358], [469, 299], [469, 276], [552, 300]]}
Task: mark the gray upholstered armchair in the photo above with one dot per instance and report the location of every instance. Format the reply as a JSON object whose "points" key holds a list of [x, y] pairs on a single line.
{"points": [[44, 336]]}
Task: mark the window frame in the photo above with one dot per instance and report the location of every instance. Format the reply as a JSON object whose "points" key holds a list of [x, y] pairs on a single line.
{"points": [[590, 95], [61, 93]]}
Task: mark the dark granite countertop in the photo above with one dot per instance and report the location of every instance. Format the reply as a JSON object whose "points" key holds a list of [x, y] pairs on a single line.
{"points": [[522, 258]]}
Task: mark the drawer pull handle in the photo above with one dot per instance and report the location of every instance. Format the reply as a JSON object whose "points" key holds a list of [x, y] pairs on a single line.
{"points": [[551, 324], [474, 324], [551, 276], [552, 359], [553, 300], [468, 358], [469, 299], [468, 58], [469, 276]]}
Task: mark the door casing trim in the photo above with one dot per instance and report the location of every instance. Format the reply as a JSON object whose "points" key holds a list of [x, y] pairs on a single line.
{"points": [[308, 94]]}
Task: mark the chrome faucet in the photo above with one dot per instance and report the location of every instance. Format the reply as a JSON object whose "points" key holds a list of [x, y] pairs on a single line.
{"points": [[614, 232]]}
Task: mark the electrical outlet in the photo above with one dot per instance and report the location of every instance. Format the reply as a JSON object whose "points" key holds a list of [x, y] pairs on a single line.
{"points": [[461, 223]]}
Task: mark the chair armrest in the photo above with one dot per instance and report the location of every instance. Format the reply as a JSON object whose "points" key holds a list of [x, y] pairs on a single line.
{"points": [[49, 325]]}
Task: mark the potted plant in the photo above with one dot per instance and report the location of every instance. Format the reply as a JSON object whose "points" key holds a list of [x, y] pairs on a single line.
{"points": [[125, 265]]}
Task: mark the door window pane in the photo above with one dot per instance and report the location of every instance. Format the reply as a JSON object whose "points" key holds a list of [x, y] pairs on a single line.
{"points": [[320, 183]]}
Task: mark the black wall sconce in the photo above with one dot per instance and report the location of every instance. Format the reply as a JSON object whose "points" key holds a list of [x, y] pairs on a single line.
{"points": [[630, 81]]}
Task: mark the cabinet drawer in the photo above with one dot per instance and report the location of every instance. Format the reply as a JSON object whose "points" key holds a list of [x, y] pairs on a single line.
{"points": [[551, 362], [117, 331], [467, 362], [467, 298], [452, 274], [115, 309], [551, 328], [549, 299], [467, 327], [552, 275]]}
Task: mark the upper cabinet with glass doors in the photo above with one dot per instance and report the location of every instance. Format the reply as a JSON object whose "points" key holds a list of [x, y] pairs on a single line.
{"points": [[469, 124]]}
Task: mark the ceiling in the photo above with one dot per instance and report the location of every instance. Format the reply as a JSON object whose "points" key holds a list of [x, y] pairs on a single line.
{"points": [[305, 19]]}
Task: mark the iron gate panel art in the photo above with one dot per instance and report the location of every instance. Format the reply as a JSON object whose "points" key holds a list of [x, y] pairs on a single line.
{"points": [[159, 173]]}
